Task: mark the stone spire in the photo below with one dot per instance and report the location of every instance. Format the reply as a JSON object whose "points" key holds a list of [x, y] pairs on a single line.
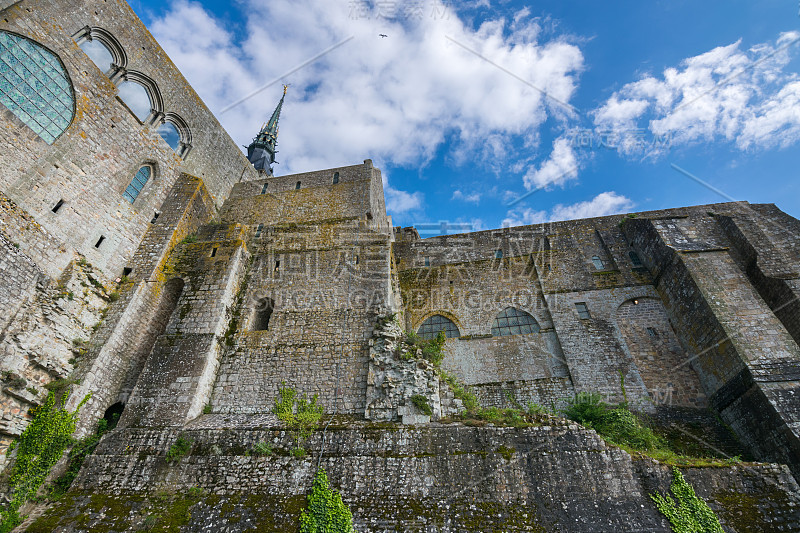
{"points": [[261, 152]]}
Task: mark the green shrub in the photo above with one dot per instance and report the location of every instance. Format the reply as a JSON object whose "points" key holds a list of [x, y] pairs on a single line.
{"points": [[189, 239], [421, 403], [616, 424], [586, 408], [298, 452], [300, 415], [686, 513], [432, 349], [207, 409], [179, 449], [536, 409], [260, 448], [113, 296], [326, 512]]}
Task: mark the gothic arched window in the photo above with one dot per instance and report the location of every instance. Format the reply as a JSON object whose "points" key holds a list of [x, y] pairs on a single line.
{"points": [[436, 323], [35, 86], [512, 321], [99, 54], [136, 98], [137, 183]]}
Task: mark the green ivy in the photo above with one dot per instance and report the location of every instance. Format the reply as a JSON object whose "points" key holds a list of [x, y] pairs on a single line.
{"points": [[686, 513], [78, 454], [326, 512], [39, 448], [300, 415]]}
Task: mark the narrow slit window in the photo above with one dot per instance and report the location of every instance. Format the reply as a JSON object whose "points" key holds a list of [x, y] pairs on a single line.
{"points": [[277, 265], [58, 206], [583, 310], [427, 261], [498, 254], [213, 252], [598, 263], [297, 186], [99, 241], [335, 177], [155, 217], [264, 188], [635, 258], [137, 183], [259, 229]]}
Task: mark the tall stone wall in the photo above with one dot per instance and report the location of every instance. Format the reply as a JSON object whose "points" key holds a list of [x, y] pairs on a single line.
{"points": [[119, 349], [446, 478], [745, 358], [545, 270], [89, 166]]}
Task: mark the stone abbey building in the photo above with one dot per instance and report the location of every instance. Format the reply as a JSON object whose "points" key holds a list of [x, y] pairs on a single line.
{"points": [[148, 261]]}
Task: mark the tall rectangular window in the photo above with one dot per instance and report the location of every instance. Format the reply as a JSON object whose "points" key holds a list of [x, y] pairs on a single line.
{"points": [[583, 310]]}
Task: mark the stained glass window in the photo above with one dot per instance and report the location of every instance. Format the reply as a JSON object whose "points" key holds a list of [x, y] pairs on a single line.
{"points": [[436, 323], [35, 86], [137, 184], [513, 322]]}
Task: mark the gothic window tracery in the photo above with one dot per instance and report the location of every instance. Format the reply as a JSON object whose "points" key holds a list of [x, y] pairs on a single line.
{"points": [[513, 321], [432, 325], [35, 86]]}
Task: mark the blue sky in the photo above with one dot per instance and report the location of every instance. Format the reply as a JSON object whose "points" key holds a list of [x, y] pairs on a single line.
{"points": [[591, 108]]}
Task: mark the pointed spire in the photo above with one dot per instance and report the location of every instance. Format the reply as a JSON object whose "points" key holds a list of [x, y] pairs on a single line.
{"points": [[261, 152]]}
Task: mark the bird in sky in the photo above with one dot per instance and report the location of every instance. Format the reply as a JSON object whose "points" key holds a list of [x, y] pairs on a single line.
{"points": [[382, 35]]}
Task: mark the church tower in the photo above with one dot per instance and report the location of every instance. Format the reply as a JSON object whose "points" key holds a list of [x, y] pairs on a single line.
{"points": [[261, 152]]}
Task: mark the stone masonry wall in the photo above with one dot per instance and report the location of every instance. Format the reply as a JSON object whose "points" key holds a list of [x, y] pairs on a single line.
{"points": [[744, 357], [445, 478], [92, 163], [123, 341]]}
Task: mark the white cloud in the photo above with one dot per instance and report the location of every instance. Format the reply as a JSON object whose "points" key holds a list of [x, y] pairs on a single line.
{"points": [[394, 99], [473, 198], [606, 203], [743, 97], [401, 201], [561, 166]]}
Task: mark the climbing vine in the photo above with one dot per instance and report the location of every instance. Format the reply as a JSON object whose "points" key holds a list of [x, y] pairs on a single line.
{"points": [[326, 511], [686, 513], [39, 448]]}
